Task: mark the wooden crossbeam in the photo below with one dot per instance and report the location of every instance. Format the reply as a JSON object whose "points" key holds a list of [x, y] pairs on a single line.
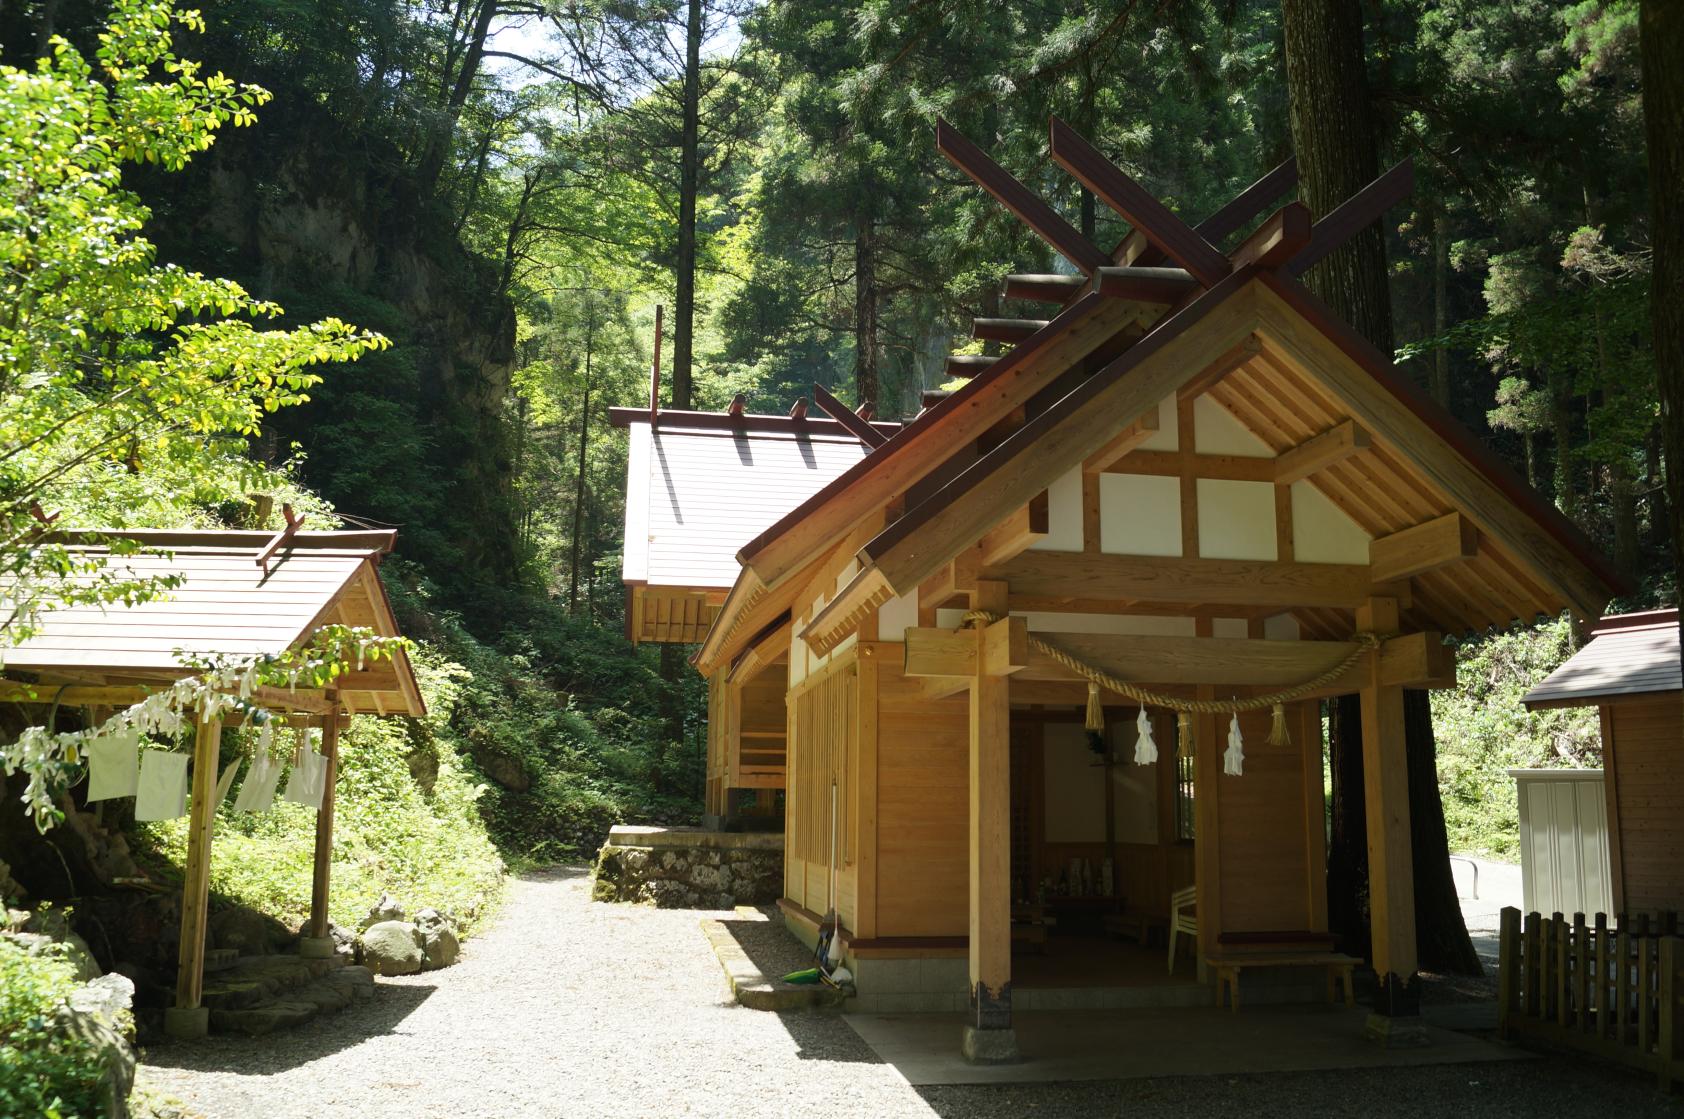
{"points": [[1278, 240], [1005, 330], [1244, 206], [1019, 199], [1173, 464], [1417, 660], [1179, 241], [1354, 214], [1207, 582], [1015, 534], [1043, 287], [859, 428], [1431, 544], [954, 579], [1212, 375], [968, 365], [1320, 452], [1147, 285], [1125, 442]]}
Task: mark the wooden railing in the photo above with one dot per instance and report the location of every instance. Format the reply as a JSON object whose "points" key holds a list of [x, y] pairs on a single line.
{"points": [[1613, 992]]}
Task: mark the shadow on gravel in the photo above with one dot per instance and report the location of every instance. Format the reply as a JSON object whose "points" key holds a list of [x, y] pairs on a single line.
{"points": [[823, 1035], [552, 873], [321, 1037]]}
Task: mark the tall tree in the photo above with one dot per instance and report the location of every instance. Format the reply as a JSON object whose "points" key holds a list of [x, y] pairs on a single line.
{"points": [[1662, 37], [1335, 134]]}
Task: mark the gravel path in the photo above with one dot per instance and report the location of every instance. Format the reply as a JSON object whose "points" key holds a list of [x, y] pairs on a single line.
{"points": [[570, 1008]]}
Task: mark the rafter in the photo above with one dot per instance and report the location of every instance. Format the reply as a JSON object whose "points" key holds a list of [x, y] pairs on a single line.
{"points": [[858, 427]]}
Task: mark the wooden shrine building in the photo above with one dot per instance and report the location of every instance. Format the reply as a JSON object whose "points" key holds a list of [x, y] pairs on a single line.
{"points": [[239, 594], [1629, 671], [1186, 501], [699, 486]]}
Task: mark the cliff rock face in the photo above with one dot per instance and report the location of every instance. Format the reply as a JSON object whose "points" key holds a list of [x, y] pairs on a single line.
{"points": [[328, 224]]}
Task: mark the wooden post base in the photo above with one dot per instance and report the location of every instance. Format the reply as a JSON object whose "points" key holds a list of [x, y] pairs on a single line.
{"points": [[1396, 1032], [316, 947], [989, 1047], [186, 1023]]}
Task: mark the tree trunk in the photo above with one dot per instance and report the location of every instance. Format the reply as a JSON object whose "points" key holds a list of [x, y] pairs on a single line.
{"points": [[1439, 384], [1334, 134], [1661, 31], [437, 149], [579, 483], [1347, 847], [865, 310], [1335, 138], [1561, 430], [689, 180]]}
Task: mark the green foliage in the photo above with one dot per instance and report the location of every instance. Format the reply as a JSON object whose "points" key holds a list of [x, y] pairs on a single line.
{"points": [[42, 1071], [1483, 732], [419, 837]]}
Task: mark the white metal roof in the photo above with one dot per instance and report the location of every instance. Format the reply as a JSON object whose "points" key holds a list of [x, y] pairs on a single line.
{"points": [[694, 497], [1627, 655]]}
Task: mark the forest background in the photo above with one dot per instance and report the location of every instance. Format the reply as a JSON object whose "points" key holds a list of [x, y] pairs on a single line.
{"points": [[506, 189]]}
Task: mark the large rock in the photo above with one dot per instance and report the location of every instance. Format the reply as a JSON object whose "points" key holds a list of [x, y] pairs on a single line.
{"points": [[440, 939], [47, 932], [388, 908], [392, 948], [248, 932], [98, 1015]]}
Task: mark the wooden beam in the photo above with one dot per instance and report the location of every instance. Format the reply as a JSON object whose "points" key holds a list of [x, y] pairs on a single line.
{"points": [[1006, 330], [1005, 647], [1319, 452], [860, 429], [1171, 579], [1124, 444], [1355, 214], [1431, 544], [1391, 891], [1014, 535], [798, 410], [1043, 287], [765, 649], [967, 365], [1285, 234], [1172, 464], [74, 696], [322, 870], [865, 592], [1240, 209], [1019, 199], [738, 405], [1146, 285], [1059, 439], [1180, 242], [990, 863], [1212, 375], [195, 886], [957, 577]]}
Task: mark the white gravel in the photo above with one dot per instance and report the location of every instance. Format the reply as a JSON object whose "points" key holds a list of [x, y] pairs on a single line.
{"points": [[566, 1007]]}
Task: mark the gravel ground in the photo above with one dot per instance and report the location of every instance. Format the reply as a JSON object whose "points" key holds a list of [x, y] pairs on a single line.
{"points": [[567, 1008]]}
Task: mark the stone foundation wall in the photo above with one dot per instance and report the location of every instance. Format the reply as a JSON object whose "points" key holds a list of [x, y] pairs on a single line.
{"points": [[689, 868]]}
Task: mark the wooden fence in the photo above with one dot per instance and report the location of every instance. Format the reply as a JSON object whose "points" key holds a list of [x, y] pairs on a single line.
{"points": [[1612, 992]]}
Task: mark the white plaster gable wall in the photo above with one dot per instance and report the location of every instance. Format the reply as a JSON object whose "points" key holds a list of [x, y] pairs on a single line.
{"points": [[895, 615], [1064, 515], [1139, 515], [1229, 627], [1166, 438], [1216, 431], [1236, 519], [1321, 531]]}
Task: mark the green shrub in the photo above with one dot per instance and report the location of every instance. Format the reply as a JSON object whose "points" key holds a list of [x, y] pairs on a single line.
{"points": [[42, 1072], [1483, 732]]}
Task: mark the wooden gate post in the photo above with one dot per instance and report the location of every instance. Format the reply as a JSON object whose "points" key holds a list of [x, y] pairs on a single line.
{"points": [[989, 1036], [187, 1019], [1508, 968], [318, 943]]}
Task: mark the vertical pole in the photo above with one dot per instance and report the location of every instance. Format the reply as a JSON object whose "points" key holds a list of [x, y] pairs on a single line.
{"points": [[989, 1036], [1508, 968], [187, 1019], [319, 881], [1397, 996]]}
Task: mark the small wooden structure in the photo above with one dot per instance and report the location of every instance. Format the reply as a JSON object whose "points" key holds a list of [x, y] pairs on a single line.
{"points": [[1564, 859], [699, 486], [241, 594], [1629, 670]]}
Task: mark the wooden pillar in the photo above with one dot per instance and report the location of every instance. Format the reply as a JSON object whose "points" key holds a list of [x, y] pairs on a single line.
{"points": [[320, 879], [1391, 885], [1207, 839], [988, 1033], [187, 1018]]}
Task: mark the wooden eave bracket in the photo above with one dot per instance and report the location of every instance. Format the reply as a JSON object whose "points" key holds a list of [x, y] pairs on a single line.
{"points": [[1143, 428], [842, 615], [1018, 532], [1319, 452], [1423, 547], [764, 649]]}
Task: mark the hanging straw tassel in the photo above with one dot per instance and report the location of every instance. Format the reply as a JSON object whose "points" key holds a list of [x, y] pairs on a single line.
{"points": [[1096, 711], [1233, 760], [1145, 746], [1278, 734], [1184, 734]]}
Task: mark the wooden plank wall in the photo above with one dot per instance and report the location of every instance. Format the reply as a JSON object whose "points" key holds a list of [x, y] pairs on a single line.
{"points": [[760, 757], [822, 727], [923, 813], [1273, 876], [1648, 794]]}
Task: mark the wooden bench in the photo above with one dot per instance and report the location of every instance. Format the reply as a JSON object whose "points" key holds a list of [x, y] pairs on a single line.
{"points": [[1142, 928], [1228, 968]]}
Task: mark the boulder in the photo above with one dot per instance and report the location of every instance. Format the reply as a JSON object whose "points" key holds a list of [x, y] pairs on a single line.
{"points": [[391, 948], [388, 908], [440, 939], [98, 1015], [61, 943], [248, 932]]}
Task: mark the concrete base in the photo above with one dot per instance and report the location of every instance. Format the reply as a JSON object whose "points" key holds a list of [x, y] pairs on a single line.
{"points": [[186, 1023], [317, 947], [989, 1047], [1400, 1032]]}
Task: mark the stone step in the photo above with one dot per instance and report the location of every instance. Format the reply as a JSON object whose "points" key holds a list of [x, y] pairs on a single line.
{"points": [[333, 991], [254, 979]]}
